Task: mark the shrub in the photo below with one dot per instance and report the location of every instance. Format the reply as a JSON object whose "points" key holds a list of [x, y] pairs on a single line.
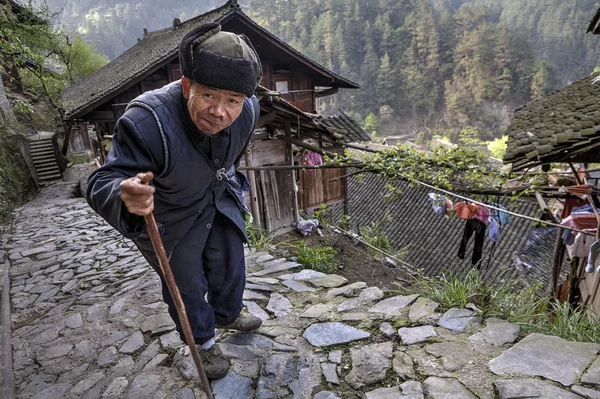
{"points": [[258, 238]]}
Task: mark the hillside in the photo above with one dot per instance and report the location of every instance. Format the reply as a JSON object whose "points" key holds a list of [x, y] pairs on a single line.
{"points": [[425, 67]]}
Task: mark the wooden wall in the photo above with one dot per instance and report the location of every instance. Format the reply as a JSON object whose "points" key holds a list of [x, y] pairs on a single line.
{"points": [[589, 287], [316, 188]]}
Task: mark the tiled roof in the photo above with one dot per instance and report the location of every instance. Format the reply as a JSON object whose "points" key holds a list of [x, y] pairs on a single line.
{"points": [[432, 241], [345, 126], [556, 127], [155, 49]]}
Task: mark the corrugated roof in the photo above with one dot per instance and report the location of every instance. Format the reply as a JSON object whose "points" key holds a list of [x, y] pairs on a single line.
{"points": [[556, 127], [432, 241], [155, 49]]}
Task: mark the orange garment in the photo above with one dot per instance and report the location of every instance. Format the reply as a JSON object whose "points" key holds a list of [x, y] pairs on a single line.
{"points": [[464, 210], [571, 203]]}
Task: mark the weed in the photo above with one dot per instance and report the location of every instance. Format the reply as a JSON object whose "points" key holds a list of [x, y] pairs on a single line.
{"points": [[322, 215], [510, 300], [316, 258], [258, 238], [345, 223], [375, 235]]}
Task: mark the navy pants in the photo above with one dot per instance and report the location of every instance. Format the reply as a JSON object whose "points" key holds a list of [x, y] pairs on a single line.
{"points": [[211, 267]]}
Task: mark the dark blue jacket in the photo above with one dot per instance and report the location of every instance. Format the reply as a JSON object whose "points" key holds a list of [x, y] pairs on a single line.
{"points": [[153, 136]]}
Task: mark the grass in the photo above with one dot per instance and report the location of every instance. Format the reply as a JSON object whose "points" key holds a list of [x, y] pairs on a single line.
{"points": [[510, 300], [320, 259], [258, 238]]}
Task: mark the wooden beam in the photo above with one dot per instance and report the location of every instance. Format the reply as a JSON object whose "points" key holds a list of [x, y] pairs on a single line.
{"points": [[290, 152], [265, 119], [254, 191], [302, 144], [100, 116]]}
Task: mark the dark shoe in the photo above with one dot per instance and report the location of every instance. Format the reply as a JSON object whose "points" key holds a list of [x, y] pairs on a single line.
{"points": [[215, 363], [244, 323]]}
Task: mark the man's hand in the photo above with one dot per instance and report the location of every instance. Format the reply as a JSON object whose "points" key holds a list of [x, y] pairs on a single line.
{"points": [[137, 195]]}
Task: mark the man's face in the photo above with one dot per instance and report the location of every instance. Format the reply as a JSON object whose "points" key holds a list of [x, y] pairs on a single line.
{"points": [[212, 110]]}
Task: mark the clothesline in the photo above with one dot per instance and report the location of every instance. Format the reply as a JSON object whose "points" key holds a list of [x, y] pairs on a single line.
{"points": [[504, 210]]}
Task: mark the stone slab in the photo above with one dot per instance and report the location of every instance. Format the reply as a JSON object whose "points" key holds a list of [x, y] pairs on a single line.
{"points": [[328, 281], [394, 306], [446, 388], [416, 335], [547, 356], [232, 386], [459, 320], [497, 332], [333, 333], [370, 364], [531, 388], [422, 309]]}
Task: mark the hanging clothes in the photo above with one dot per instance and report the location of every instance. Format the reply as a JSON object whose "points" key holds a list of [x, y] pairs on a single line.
{"points": [[593, 255], [473, 226], [464, 210], [571, 203], [313, 159], [502, 217], [494, 231], [582, 244], [440, 204], [481, 212]]}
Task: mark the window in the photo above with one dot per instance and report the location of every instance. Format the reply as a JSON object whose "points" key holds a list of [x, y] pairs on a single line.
{"points": [[282, 87]]}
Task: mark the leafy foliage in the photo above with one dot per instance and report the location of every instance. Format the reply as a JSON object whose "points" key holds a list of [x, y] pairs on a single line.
{"points": [[320, 259], [258, 238], [374, 234]]}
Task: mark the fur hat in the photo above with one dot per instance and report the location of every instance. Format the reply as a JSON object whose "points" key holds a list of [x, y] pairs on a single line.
{"points": [[221, 60]]}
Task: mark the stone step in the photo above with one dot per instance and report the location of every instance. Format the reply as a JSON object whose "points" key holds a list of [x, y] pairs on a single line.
{"points": [[38, 152], [51, 168], [49, 146], [55, 176], [44, 161]]}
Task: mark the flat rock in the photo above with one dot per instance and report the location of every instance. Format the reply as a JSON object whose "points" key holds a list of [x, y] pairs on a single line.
{"points": [[387, 329], [319, 311], [305, 274], [276, 331], [446, 388], [531, 388], [54, 352], [326, 395], [422, 309], [416, 335], [251, 295], [333, 333], [263, 280], [107, 357], [259, 287], [53, 391], [403, 366], [459, 320], [116, 387], [407, 390], [367, 296], [258, 341], [330, 373], [158, 324], [454, 355], [349, 291], [585, 392], [276, 267], [328, 281], [134, 343], [384, 393], [73, 321], [592, 376], [370, 364], [144, 386], [547, 356], [256, 310], [89, 381], [171, 340], [497, 332], [232, 386], [297, 286], [279, 305], [394, 306], [335, 356], [411, 390]]}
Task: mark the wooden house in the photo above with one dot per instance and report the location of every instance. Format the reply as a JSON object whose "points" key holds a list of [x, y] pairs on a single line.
{"points": [[288, 124]]}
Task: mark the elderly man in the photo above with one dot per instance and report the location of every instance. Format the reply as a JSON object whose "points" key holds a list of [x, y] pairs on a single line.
{"points": [[191, 135]]}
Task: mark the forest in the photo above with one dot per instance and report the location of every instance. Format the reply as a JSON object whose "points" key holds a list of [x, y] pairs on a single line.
{"points": [[426, 67]]}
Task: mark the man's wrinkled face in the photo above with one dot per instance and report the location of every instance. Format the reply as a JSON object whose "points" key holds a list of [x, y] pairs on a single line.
{"points": [[212, 110]]}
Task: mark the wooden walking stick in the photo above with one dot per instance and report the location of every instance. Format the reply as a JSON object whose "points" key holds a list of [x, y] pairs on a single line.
{"points": [[159, 249]]}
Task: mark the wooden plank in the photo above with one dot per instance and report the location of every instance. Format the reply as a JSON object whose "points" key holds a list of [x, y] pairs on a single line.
{"points": [[263, 185], [268, 152], [275, 193], [100, 116], [290, 160], [265, 119], [254, 191]]}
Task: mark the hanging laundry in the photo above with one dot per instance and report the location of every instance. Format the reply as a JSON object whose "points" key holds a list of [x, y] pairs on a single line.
{"points": [[440, 204], [582, 244], [473, 226], [464, 210], [594, 250], [481, 212], [313, 159], [502, 217], [570, 204], [568, 237], [494, 231]]}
